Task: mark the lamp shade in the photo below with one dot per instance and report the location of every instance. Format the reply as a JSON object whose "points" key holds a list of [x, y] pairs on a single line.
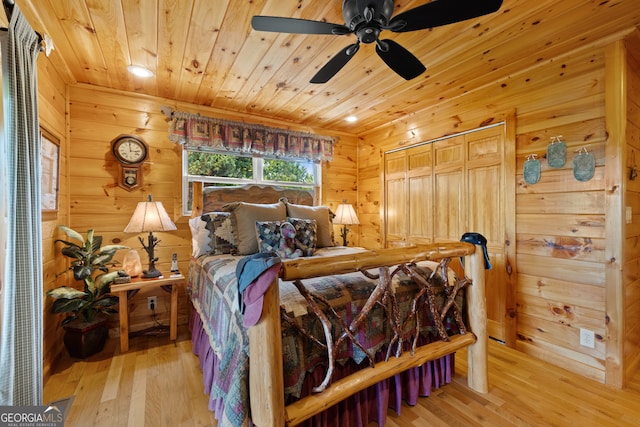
{"points": [[345, 214], [149, 216]]}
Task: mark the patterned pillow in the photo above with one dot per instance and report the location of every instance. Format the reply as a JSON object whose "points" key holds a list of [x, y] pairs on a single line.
{"points": [[268, 235], [221, 239], [306, 234]]}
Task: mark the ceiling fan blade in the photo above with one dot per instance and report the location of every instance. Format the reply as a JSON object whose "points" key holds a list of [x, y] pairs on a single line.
{"points": [[296, 26], [335, 64], [441, 12], [399, 59]]}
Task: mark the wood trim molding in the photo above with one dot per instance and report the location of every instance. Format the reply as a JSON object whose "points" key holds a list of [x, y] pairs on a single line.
{"points": [[615, 153]]}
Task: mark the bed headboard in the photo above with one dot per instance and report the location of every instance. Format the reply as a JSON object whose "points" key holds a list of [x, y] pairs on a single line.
{"points": [[211, 199]]}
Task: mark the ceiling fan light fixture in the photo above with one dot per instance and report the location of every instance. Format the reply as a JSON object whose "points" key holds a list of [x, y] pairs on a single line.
{"points": [[140, 71]]}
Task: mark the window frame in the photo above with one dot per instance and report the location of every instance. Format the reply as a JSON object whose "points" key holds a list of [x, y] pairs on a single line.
{"points": [[258, 168]]}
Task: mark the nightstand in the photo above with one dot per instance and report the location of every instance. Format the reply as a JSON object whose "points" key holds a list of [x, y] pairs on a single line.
{"points": [[128, 290]]}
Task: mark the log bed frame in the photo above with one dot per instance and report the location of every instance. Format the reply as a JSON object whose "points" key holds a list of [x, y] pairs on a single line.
{"points": [[266, 385]]}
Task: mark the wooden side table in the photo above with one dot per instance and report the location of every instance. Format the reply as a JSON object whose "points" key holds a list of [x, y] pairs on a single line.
{"points": [[137, 284]]}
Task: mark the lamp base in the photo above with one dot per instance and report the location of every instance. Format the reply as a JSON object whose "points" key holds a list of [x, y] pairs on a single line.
{"points": [[151, 274], [345, 232]]}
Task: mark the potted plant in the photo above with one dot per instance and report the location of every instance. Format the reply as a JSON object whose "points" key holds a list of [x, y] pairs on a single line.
{"points": [[86, 328]]}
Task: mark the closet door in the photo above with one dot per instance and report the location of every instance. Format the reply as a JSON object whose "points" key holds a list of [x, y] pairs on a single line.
{"points": [[448, 201], [420, 188], [395, 198], [485, 210]]}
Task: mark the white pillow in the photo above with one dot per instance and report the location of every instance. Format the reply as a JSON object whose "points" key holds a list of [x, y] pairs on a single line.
{"points": [[200, 238]]}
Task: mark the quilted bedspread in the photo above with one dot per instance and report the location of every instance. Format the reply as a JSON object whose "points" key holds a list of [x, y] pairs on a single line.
{"points": [[213, 291]]}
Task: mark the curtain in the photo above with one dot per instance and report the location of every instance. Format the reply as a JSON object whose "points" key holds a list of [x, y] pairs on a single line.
{"points": [[21, 280], [219, 135]]}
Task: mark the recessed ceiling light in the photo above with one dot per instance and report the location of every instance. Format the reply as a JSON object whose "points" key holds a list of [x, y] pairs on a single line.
{"points": [[140, 71], [351, 119]]}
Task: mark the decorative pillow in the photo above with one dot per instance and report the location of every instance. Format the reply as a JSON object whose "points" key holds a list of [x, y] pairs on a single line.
{"points": [[243, 222], [323, 217], [268, 235], [218, 225], [306, 234], [278, 237], [200, 238]]}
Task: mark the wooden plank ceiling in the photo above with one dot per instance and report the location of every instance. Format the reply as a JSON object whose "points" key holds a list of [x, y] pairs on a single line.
{"points": [[205, 52]]}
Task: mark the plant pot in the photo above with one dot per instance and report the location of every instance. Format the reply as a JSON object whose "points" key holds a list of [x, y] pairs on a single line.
{"points": [[82, 339]]}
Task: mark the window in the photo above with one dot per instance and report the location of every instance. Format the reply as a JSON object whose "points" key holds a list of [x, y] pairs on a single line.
{"points": [[214, 168]]}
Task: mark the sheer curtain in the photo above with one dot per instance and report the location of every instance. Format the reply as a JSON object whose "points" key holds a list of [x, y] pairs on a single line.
{"points": [[21, 284]]}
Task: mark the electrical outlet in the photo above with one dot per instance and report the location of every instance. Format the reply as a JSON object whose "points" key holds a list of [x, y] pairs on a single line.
{"points": [[152, 303], [587, 338]]}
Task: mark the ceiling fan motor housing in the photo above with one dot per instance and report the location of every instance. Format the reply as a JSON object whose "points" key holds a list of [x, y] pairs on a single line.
{"points": [[382, 10]]}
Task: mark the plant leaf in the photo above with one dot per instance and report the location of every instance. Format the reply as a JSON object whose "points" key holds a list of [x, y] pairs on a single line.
{"points": [[72, 233], [96, 242], [90, 285], [72, 251], [105, 279], [69, 319], [67, 305], [102, 258], [65, 292], [106, 302], [81, 272], [113, 248]]}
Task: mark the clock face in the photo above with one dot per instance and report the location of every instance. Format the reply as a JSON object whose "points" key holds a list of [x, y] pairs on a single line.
{"points": [[131, 150]]}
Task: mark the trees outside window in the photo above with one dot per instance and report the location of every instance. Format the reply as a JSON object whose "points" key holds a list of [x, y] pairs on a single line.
{"points": [[236, 169]]}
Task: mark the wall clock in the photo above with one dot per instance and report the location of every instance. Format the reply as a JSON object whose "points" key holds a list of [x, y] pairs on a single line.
{"points": [[130, 151]]}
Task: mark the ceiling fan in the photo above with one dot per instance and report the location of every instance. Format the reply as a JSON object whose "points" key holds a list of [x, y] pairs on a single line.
{"points": [[367, 18]]}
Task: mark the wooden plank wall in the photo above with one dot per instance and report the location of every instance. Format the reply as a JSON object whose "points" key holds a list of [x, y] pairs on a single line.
{"points": [[99, 115], [52, 100], [560, 221], [631, 355]]}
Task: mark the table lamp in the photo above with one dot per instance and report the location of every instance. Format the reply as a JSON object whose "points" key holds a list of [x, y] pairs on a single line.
{"points": [[345, 215], [150, 216]]}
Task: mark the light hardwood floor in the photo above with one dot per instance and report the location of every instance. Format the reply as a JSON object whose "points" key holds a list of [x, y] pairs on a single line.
{"points": [[158, 383]]}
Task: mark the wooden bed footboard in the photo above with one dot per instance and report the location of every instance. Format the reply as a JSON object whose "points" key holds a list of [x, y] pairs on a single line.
{"points": [[265, 365]]}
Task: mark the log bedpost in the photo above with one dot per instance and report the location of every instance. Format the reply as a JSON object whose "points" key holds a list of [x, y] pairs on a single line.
{"points": [[477, 375], [197, 199], [266, 374]]}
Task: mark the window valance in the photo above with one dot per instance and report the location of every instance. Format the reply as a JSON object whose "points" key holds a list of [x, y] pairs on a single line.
{"points": [[212, 134]]}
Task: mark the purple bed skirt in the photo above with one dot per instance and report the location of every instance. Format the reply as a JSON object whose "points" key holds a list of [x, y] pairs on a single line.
{"points": [[369, 405]]}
